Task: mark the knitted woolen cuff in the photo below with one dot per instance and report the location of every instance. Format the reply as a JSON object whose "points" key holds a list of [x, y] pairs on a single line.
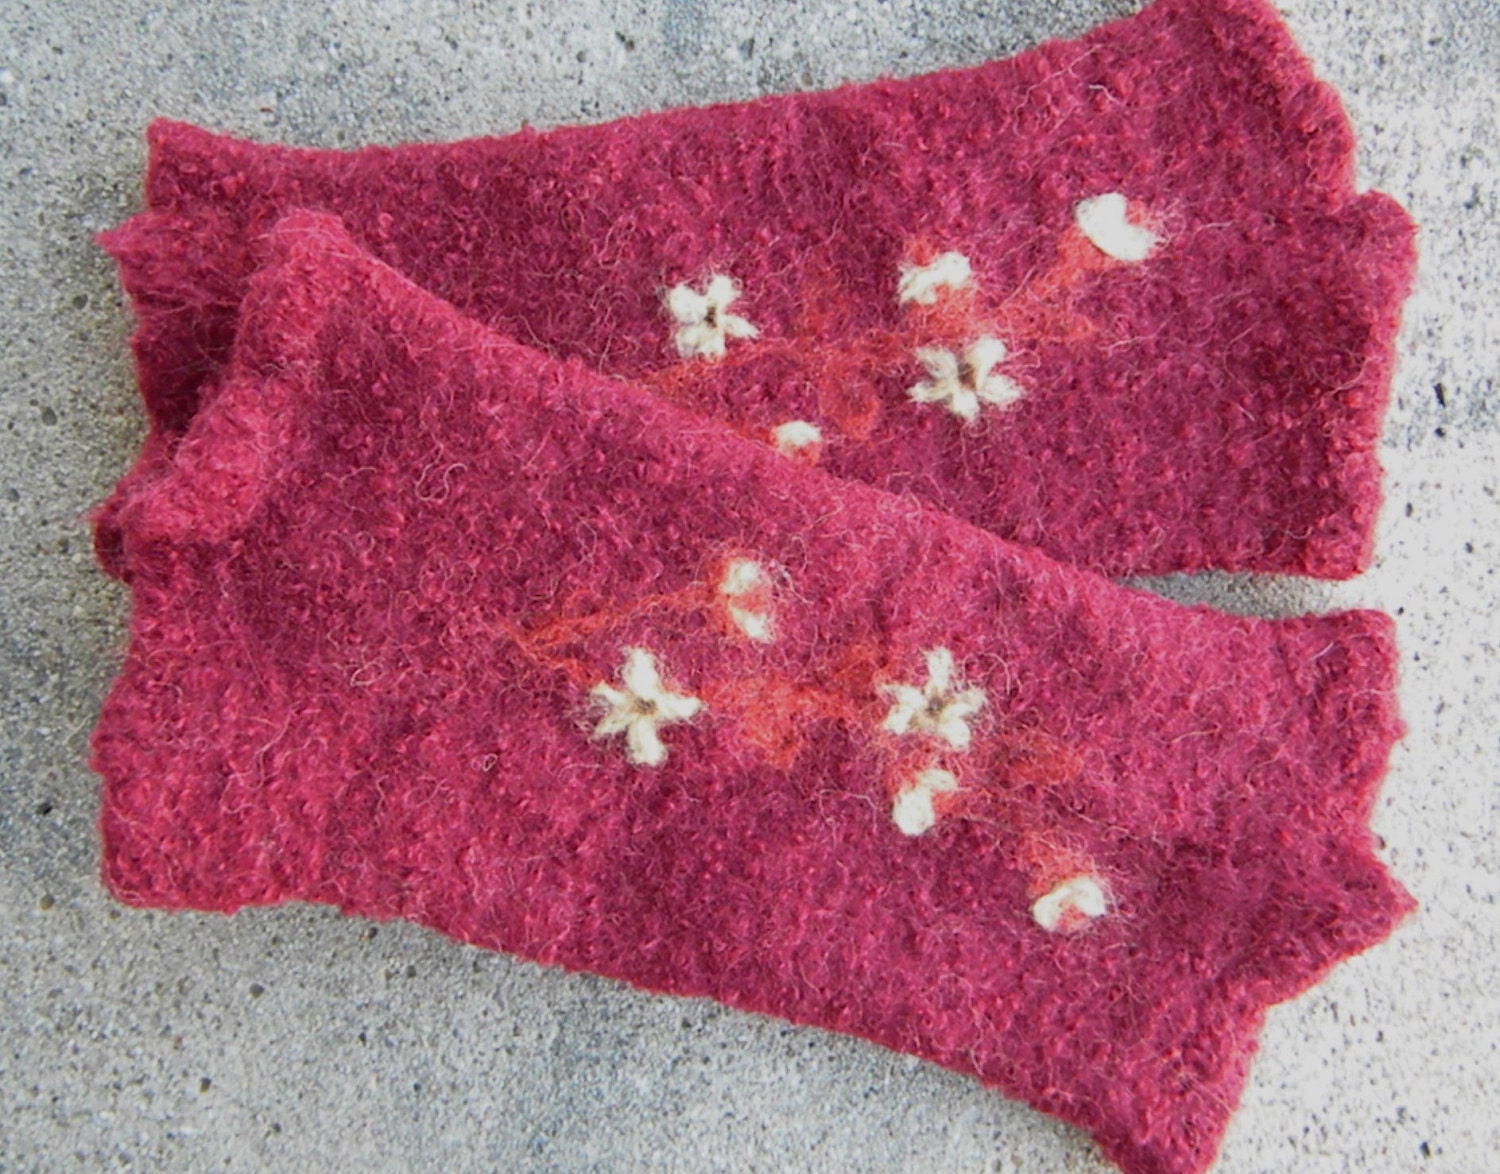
{"points": [[429, 625], [1116, 297]]}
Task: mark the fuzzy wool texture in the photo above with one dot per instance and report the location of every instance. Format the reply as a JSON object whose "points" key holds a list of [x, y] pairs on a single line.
{"points": [[1207, 397], [290, 1037], [378, 575]]}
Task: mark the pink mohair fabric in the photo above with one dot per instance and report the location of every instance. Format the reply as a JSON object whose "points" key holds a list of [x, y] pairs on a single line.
{"points": [[1214, 405], [385, 582]]}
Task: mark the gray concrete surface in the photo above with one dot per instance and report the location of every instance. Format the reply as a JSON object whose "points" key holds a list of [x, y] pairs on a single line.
{"points": [[294, 1039]]}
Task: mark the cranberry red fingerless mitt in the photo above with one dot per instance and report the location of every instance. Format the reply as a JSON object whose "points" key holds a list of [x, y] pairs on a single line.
{"points": [[1116, 298], [430, 625]]}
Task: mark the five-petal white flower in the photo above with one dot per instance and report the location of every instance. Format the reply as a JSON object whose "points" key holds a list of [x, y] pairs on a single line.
{"points": [[703, 319], [941, 708], [963, 382], [640, 708]]}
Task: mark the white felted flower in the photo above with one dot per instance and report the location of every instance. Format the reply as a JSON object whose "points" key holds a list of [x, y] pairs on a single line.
{"points": [[796, 438], [913, 810], [703, 320], [641, 708], [962, 383], [921, 283], [941, 708], [1104, 221], [1070, 905], [746, 591]]}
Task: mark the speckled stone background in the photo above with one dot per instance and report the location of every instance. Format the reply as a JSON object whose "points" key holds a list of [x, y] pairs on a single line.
{"points": [[295, 1039]]}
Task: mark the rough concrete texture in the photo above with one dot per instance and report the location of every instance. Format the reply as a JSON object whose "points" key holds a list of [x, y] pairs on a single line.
{"points": [[294, 1039]]}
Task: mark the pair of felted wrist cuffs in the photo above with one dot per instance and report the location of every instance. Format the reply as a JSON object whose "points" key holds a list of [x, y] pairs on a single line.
{"points": [[670, 548]]}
